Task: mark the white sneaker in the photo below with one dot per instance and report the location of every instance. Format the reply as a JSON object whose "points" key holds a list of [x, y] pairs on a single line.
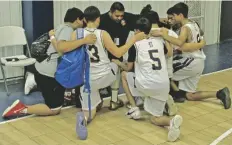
{"points": [[174, 129], [30, 83], [171, 108], [134, 113]]}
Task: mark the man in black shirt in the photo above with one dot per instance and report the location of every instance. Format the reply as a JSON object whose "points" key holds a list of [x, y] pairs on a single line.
{"points": [[118, 24]]}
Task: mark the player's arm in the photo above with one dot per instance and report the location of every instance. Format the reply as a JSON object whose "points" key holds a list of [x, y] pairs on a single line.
{"points": [[124, 66], [119, 51], [190, 47], [176, 41], [169, 48], [67, 46], [128, 66], [51, 34]]}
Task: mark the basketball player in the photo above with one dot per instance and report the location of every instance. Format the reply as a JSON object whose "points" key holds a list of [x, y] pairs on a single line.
{"points": [[52, 91], [151, 81], [153, 17], [188, 69], [103, 73]]}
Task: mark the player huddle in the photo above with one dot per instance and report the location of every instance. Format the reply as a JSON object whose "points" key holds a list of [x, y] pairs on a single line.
{"points": [[166, 65]]}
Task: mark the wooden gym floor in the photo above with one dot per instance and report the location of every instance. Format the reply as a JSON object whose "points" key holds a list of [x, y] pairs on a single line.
{"points": [[203, 123]]}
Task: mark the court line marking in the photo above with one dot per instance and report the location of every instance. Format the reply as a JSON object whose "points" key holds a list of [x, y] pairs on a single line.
{"points": [[220, 138]]}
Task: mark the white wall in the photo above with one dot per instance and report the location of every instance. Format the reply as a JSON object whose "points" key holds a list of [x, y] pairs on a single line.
{"points": [[207, 12], [11, 14], [60, 7], [212, 21]]}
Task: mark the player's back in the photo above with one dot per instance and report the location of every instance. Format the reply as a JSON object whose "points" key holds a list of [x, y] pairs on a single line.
{"points": [[169, 59], [195, 38], [150, 64], [99, 61]]}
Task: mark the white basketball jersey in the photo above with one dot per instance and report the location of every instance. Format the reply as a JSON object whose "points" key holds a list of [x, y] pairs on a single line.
{"points": [[169, 60], [99, 61], [195, 32], [150, 66]]}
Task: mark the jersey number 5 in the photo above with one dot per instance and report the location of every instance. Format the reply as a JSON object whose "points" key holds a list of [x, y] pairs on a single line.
{"points": [[94, 51], [156, 60]]}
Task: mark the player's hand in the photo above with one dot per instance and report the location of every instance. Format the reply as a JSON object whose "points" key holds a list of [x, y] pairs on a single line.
{"points": [[164, 31], [90, 39], [203, 42], [156, 33], [116, 61], [140, 36], [51, 33]]}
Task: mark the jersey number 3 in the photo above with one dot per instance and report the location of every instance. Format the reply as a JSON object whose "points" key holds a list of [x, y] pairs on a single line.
{"points": [[94, 51], [157, 65]]}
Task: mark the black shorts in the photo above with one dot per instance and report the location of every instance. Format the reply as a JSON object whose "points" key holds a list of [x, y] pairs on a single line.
{"points": [[52, 91]]}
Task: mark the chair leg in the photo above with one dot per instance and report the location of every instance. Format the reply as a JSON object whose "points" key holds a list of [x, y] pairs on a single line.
{"points": [[4, 77]]}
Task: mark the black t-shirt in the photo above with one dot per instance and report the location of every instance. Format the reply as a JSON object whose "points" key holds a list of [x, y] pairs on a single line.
{"points": [[116, 30], [131, 54]]}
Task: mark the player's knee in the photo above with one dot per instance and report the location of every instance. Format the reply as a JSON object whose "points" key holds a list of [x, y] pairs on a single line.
{"points": [[55, 112]]}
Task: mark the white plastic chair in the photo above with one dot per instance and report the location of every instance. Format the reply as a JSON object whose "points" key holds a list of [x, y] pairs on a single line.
{"points": [[14, 36]]}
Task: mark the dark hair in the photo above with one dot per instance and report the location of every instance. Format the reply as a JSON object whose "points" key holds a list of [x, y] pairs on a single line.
{"points": [[91, 13], [180, 8], [151, 15], [117, 6], [170, 11], [72, 14], [143, 24]]}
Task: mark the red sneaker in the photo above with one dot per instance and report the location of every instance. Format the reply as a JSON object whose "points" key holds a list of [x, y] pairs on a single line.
{"points": [[14, 109]]}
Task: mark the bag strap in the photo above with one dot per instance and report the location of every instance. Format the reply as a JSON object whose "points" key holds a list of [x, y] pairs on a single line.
{"points": [[80, 35]]}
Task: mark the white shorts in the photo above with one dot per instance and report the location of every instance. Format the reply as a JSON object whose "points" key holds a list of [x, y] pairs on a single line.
{"points": [[157, 92], [154, 106], [95, 85], [187, 71], [169, 66], [151, 104]]}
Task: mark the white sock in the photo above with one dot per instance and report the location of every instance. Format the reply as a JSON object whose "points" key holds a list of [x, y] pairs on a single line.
{"points": [[114, 96]]}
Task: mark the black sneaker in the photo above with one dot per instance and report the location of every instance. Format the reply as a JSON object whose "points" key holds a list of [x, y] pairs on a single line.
{"points": [[116, 105], [224, 96], [179, 99], [99, 106]]}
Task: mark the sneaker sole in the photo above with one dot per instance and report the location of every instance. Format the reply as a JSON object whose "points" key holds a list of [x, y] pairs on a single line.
{"points": [[228, 99], [28, 87], [174, 133], [10, 107], [178, 120]]}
